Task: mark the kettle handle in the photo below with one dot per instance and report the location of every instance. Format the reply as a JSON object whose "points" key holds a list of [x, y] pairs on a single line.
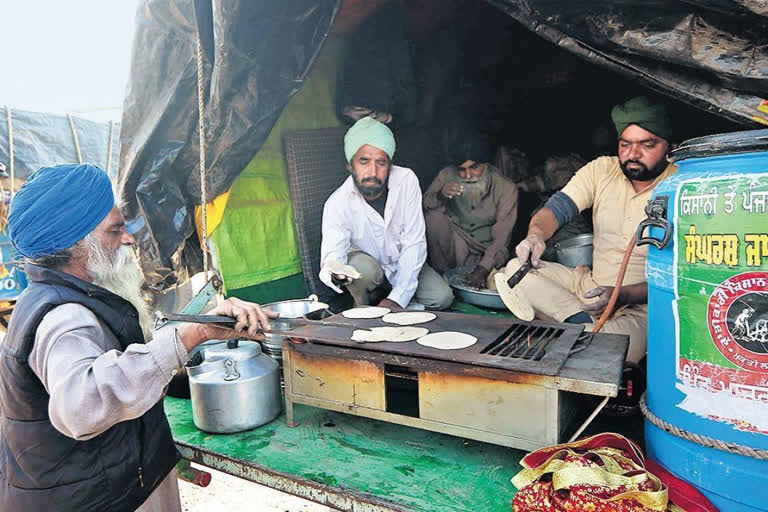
{"points": [[230, 370]]}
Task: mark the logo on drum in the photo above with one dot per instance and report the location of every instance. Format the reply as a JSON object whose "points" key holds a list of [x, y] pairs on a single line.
{"points": [[738, 320]]}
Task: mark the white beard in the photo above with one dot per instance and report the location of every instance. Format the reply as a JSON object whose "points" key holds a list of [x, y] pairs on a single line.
{"points": [[120, 273], [474, 190]]}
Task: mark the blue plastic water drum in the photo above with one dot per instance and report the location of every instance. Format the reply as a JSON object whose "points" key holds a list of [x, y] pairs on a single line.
{"points": [[12, 277], [708, 318]]}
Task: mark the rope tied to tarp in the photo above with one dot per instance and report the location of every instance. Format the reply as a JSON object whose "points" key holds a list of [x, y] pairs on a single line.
{"points": [[709, 442], [201, 130]]}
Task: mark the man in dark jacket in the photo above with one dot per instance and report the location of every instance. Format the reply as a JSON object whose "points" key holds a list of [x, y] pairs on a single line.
{"points": [[81, 414]]}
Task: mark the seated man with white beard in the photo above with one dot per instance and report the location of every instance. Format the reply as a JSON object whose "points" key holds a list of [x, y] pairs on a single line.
{"points": [[470, 211], [81, 391]]}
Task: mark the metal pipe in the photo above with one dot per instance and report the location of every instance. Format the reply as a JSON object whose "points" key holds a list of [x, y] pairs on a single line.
{"points": [[589, 420]]}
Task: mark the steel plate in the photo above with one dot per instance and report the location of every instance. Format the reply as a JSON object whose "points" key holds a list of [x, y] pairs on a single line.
{"points": [[484, 298]]}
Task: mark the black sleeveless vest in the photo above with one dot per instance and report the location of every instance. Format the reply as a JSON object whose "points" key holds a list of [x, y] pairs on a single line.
{"points": [[42, 469]]}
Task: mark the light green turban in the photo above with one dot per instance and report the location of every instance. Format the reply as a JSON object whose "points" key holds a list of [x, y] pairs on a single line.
{"points": [[645, 114], [369, 131]]}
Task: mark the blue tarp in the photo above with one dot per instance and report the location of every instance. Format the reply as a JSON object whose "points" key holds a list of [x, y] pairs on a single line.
{"points": [[41, 139]]}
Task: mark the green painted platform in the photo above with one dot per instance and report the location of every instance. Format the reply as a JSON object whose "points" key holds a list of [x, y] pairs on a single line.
{"points": [[354, 463]]}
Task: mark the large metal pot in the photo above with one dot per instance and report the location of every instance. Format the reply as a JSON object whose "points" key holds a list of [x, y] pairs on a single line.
{"points": [[310, 308], [234, 387], [575, 251]]}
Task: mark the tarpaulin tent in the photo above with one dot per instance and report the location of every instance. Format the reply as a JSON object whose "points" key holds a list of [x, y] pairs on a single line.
{"points": [[41, 139], [256, 57], [712, 54]]}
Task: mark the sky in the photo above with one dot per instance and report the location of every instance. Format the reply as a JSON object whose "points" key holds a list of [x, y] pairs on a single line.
{"points": [[66, 55]]}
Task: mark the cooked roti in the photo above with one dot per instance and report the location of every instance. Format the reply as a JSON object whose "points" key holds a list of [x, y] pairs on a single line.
{"points": [[409, 317], [393, 334], [365, 312], [409, 334], [514, 301], [447, 340], [343, 270]]}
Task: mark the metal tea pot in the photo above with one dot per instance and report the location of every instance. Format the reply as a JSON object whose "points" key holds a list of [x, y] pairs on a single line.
{"points": [[234, 387]]}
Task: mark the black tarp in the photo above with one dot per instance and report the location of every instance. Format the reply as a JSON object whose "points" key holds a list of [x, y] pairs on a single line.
{"points": [[712, 54], [41, 139], [257, 55]]}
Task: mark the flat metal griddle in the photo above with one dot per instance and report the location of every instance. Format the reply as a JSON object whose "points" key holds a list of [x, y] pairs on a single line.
{"points": [[532, 347]]}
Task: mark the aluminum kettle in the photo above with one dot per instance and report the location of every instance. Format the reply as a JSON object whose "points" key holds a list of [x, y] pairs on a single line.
{"points": [[233, 387]]}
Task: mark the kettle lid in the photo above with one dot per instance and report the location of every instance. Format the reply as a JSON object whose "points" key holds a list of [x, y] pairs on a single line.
{"points": [[239, 350]]}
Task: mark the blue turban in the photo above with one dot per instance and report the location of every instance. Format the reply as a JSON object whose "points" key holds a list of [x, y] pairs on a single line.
{"points": [[368, 131], [57, 207]]}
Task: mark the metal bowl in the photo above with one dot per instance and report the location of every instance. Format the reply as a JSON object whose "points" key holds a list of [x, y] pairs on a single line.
{"points": [[479, 297], [309, 308], [575, 251], [296, 308]]}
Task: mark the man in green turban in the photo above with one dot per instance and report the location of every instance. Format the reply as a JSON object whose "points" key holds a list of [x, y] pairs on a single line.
{"points": [[617, 188], [374, 239]]}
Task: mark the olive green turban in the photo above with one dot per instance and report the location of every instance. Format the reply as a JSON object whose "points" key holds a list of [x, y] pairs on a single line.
{"points": [[645, 114], [369, 131]]}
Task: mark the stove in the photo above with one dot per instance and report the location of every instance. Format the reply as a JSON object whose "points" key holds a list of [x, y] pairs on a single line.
{"points": [[518, 386]]}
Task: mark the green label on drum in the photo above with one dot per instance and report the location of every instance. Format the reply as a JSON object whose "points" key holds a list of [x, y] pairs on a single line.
{"points": [[721, 260]]}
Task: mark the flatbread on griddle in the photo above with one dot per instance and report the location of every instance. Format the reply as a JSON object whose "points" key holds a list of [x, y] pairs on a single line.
{"points": [[447, 340], [409, 317], [365, 312], [393, 334], [408, 333]]}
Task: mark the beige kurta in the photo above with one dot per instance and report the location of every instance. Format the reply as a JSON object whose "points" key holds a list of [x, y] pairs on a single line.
{"points": [[557, 291], [617, 210], [93, 385]]}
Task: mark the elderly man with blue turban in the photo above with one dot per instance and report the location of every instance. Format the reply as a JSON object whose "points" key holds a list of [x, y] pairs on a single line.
{"points": [[82, 377], [373, 228]]}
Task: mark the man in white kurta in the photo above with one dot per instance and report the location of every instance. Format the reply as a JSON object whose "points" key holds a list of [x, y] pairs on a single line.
{"points": [[374, 223]]}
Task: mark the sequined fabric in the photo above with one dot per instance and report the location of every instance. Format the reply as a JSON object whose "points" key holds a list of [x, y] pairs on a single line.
{"points": [[604, 473]]}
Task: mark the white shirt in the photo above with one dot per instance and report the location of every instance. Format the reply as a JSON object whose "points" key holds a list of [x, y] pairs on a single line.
{"points": [[398, 241]]}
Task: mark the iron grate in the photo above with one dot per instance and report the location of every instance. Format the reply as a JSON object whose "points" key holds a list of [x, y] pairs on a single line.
{"points": [[524, 341]]}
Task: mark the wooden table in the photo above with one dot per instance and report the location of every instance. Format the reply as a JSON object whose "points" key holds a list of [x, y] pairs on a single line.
{"points": [[358, 464]]}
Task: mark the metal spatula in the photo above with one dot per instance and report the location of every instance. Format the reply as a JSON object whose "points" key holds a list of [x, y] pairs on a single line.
{"points": [[520, 274], [228, 321]]}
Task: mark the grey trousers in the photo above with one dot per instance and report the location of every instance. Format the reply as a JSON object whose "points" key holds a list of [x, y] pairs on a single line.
{"points": [[432, 291]]}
